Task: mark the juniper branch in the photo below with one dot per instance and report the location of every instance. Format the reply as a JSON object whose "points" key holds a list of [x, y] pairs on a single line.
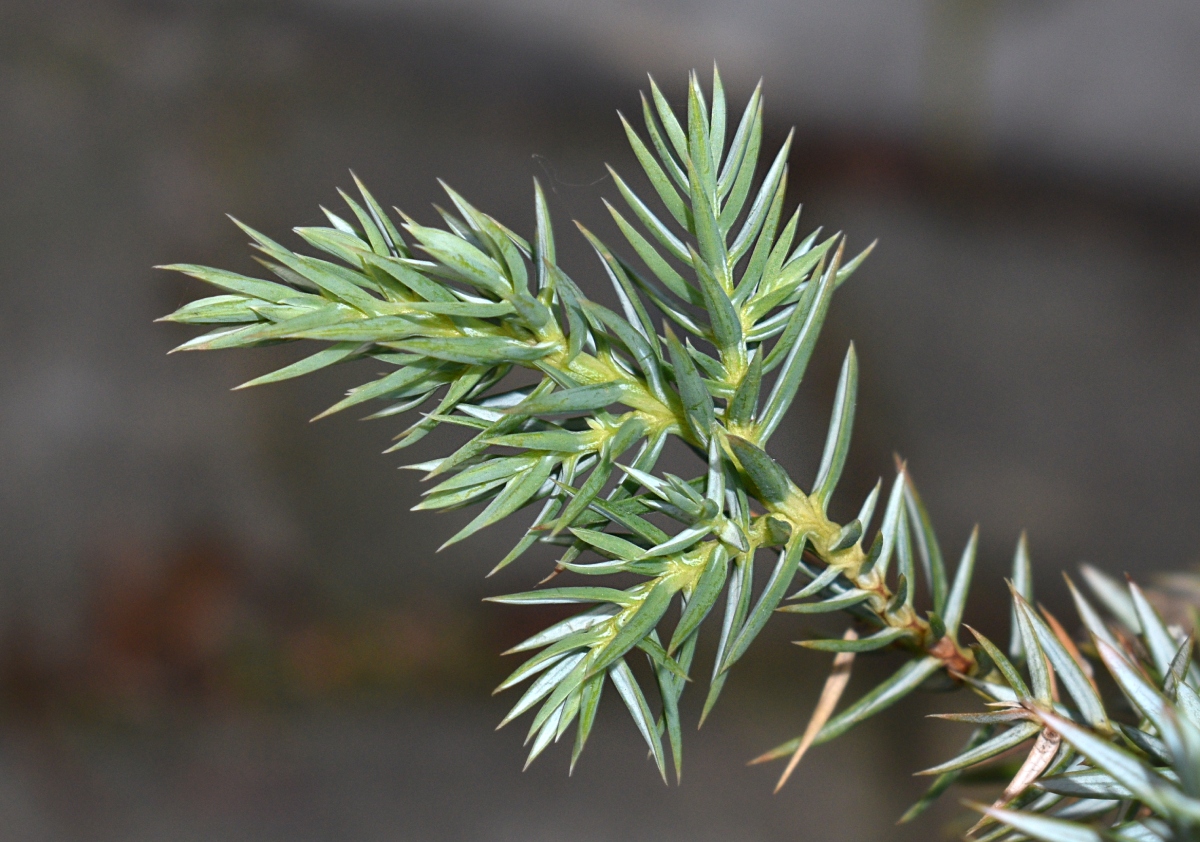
{"points": [[453, 309]]}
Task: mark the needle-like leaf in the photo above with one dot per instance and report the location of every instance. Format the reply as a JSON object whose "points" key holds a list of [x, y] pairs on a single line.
{"points": [[1042, 827], [798, 352], [1114, 596], [702, 599], [1154, 631], [1022, 580], [769, 479], [985, 751], [658, 177], [1010, 673], [737, 604], [635, 701], [902, 682], [867, 644], [697, 402], [956, 600], [837, 443], [835, 685], [1067, 669], [776, 587]]}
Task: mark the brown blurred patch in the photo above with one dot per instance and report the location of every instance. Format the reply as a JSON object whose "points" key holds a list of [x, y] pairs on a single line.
{"points": [[28, 682], [189, 627], [157, 631], [395, 650]]}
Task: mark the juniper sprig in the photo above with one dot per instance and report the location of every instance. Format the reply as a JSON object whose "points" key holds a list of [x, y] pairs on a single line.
{"points": [[1087, 777], [452, 310]]}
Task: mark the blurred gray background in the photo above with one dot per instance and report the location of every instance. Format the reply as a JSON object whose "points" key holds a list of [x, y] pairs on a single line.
{"points": [[220, 622]]}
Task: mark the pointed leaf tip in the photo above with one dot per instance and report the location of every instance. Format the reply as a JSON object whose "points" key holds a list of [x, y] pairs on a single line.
{"points": [[835, 685]]}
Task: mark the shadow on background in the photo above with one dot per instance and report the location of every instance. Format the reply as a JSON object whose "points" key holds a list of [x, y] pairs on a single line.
{"points": [[219, 622]]}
